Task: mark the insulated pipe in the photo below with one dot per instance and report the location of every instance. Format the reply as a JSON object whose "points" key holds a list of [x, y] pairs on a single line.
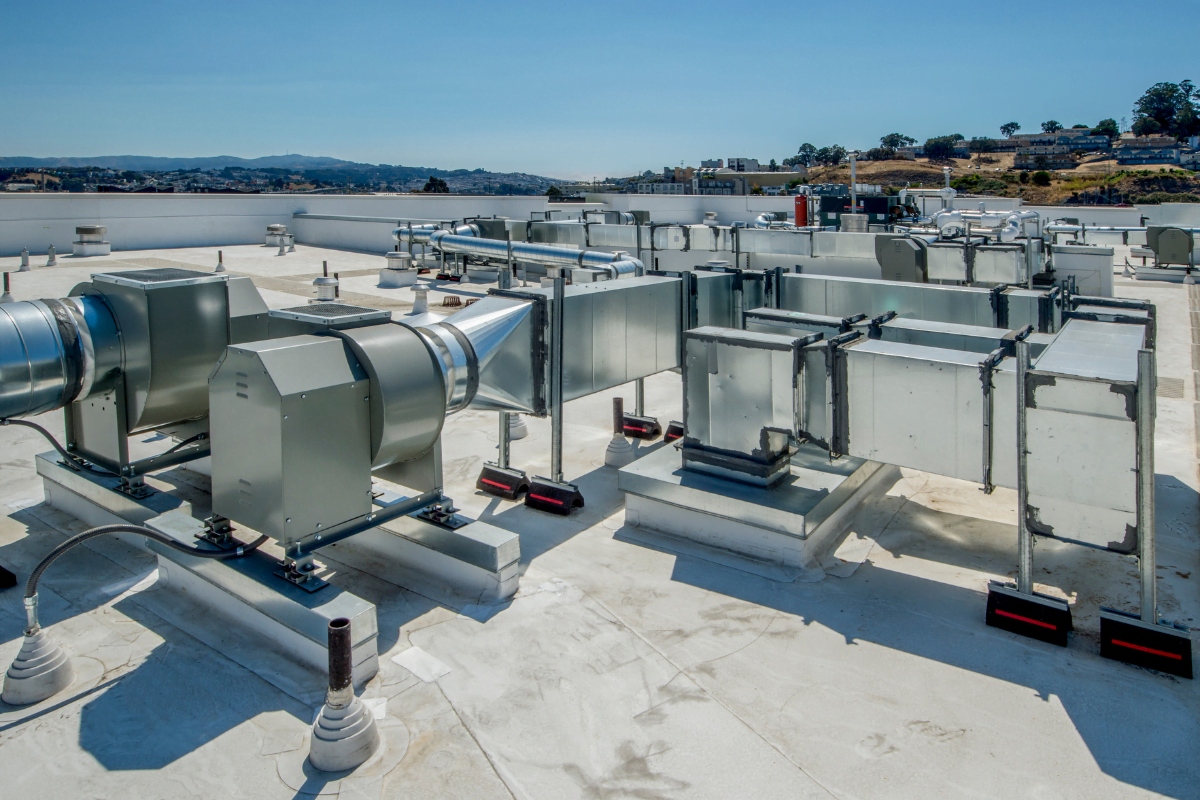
{"points": [[617, 264]]}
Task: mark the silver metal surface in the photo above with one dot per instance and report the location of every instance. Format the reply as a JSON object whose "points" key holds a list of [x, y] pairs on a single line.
{"points": [[740, 401], [501, 335], [557, 313], [946, 335], [453, 355], [35, 366], [291, 436], [1024, 536], [174, 326], [505, 441], [1082, 446], [916, 407], [1102, 350], [1146, 531], [1000, 263], [793, 323], [407, 394], [547, 255]]}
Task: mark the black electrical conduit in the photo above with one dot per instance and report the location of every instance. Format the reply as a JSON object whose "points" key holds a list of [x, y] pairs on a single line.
{"points": [[161, 538], [76, 461]]}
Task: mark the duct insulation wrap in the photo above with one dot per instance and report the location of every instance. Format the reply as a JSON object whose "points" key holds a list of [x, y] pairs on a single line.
{"points": [[53, 352]]}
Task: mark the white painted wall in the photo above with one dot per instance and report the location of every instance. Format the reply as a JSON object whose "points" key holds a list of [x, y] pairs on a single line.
{"points": [[155, 221]]}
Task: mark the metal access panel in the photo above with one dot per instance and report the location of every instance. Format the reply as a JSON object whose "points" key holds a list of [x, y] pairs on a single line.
{"points": [[947, 261], [1000, 263], [1081, 423], [845, 297], [247, 311], [774, 242], [714, 304], [917, 407], [617, 331], [560, 233], [291, 437], [615, 236]]}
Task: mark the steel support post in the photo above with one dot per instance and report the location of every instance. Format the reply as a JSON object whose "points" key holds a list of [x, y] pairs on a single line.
{"points": [[640, 397], [502, 459], [556, 372], [1024, 537], [1145, 489]]}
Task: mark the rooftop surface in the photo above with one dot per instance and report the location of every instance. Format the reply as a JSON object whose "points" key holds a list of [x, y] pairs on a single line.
{"points": [[625, 668]]}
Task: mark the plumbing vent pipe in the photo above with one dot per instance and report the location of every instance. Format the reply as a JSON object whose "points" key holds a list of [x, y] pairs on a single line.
{"points": [[7, 296], [344, 735]]}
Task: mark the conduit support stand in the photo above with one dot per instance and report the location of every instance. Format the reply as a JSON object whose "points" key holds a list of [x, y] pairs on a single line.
{"points": [[344, 734], [552, 494], [1143, 639], [498, 478], [1018, 608], [620, 452]]}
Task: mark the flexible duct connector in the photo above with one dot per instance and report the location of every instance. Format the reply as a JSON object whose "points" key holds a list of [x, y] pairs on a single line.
{"points": [[616, 264]]}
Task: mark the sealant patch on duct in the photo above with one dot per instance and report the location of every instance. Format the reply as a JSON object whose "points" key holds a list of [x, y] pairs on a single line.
{"points": [[421, 664]]}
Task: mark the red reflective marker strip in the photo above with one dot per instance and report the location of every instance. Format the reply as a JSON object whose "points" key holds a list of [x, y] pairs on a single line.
{"points": [[1004, 613], [1147, 649], [494, 483], [547, 499], [632, 428]]}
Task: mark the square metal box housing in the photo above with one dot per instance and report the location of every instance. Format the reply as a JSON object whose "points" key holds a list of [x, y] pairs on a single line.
{"points": [[291, 445]]}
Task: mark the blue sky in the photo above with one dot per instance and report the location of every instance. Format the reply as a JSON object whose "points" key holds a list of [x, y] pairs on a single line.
{"points": [[560, 88]]}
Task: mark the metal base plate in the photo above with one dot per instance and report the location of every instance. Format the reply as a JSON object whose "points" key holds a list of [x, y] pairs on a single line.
{"points": [[1124, 637], [1037, 616]]}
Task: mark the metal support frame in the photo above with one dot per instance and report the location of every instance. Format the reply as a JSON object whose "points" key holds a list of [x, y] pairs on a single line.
{"points": [[986, 369], [556, 372], [1146, 403], [1024, 536], [639, 397], [505, 441]]}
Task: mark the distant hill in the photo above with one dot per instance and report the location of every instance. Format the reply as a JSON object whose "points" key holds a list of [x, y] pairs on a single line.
{"points": [[158, 164]]}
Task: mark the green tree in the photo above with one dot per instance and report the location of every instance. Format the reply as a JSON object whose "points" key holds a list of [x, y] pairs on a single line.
{"points": [[436, 186], [1040, 178], [1051, 126], [1107, 127], [940, 148], [1167, 108], [831, 156], [554, 191], [981, 144], [1077, 127], [806, 155], [894, 141], [1009, 128], [773, 167]]}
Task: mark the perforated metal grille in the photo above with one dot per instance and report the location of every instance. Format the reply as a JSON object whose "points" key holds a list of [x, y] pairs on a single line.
{"points": [[330, 310], [1170, 388], [160, 275]]}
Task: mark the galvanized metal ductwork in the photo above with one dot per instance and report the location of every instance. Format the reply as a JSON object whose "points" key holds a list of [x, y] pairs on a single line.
{"points": [[616, 264], [159, 332]]}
